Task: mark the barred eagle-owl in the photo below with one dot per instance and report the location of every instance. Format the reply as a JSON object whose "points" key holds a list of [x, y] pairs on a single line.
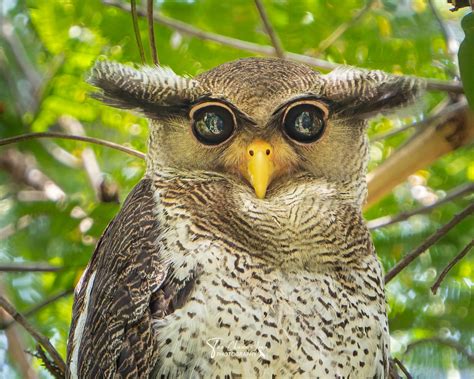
{"points": [[242, 253]]}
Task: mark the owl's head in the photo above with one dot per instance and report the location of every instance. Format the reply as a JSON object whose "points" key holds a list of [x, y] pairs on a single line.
{"points": [[257, 119]]}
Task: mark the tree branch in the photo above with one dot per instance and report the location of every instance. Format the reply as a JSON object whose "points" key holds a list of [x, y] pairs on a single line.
{"points": [[442, 341], [443, 85], [136, 29], [403, 368], [37, 307], [61, 155], [19, 103], [50, 366], [441, 113], [8, 230], [430, 241], [431, 84], [451, 43], [341, 29], [28, 267], [104, 190], [279, 52], [23, 169], [221, 39], [54, 65], [16, 350], [7, 31], [151, 32], [444, 135], [16, 346], [41, 339], [459, 191], [112, 145], [452, 263], [391, 133]]}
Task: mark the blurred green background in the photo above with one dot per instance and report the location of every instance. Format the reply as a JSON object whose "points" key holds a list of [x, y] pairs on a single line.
{"points": [[50, 213]]}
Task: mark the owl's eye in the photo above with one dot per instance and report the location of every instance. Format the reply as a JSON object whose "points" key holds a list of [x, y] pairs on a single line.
{"points": [[213, 124], [305, 123]]}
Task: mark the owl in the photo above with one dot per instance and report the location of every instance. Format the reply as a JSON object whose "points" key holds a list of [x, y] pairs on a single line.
{"points": [[242, 253]]}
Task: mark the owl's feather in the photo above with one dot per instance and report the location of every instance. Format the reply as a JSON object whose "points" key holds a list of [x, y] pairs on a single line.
{"points": [[119, 295], [359, 93], [153, 91]]}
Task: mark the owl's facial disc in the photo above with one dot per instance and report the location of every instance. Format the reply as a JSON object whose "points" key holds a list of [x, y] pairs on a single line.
{"points": [[259, 166], [263, 155]]}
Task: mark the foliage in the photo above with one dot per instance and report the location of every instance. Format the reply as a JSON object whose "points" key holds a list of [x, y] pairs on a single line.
{"points": [[60, 39]]}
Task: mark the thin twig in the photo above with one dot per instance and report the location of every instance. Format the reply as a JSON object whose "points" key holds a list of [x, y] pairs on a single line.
{"points": [[341, 29], [431, 84], [443, 85], [430, 241], [279, 52], [20, 104], [151, 32], [37, 307], [50, 366], [17, 350], [459, 191], [16, 345], [48, 301], [403, 368], [41, 339], [89, 160], [61, 155], [454, 261], [391, 133], [419, 151], [54, 65], [136, 29], [23, 169], [26, 267], [223, 40], [8, 230], [440, 116], [104, 192], [8, 34], [442, 341], [451, 43], [112, 145]]}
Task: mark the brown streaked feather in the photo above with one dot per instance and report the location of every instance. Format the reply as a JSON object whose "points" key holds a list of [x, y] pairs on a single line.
{"points": [[156, 92], [361, 94], [118, 338]]}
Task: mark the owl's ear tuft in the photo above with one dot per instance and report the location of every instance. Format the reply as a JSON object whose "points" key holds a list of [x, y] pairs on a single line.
{"points": [[359, 93], [152, 91]]}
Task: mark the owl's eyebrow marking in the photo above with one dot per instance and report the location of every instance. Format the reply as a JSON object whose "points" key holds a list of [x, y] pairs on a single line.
{"points": [[237, 112], [324, 101]]}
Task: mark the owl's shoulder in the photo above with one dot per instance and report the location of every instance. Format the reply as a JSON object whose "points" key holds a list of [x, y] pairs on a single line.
{"points": [[111, 314]]}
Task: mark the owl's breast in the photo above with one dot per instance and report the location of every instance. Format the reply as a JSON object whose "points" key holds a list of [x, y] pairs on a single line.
{"points": [[244, 319], [288, 287]]}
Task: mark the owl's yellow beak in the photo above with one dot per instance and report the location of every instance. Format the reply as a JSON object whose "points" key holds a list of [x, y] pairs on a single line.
{"points": [[260, 166]]}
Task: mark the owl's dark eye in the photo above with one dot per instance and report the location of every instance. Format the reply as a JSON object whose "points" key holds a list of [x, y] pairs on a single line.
{"points": [[304, 123], [213, 124]]}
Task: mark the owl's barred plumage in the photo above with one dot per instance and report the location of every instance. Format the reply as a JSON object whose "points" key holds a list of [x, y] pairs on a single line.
{"points": [[156, 91], [199, 275]]}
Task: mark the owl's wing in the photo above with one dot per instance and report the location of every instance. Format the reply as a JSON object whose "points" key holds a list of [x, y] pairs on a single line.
{"points": [[119, 295]]}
